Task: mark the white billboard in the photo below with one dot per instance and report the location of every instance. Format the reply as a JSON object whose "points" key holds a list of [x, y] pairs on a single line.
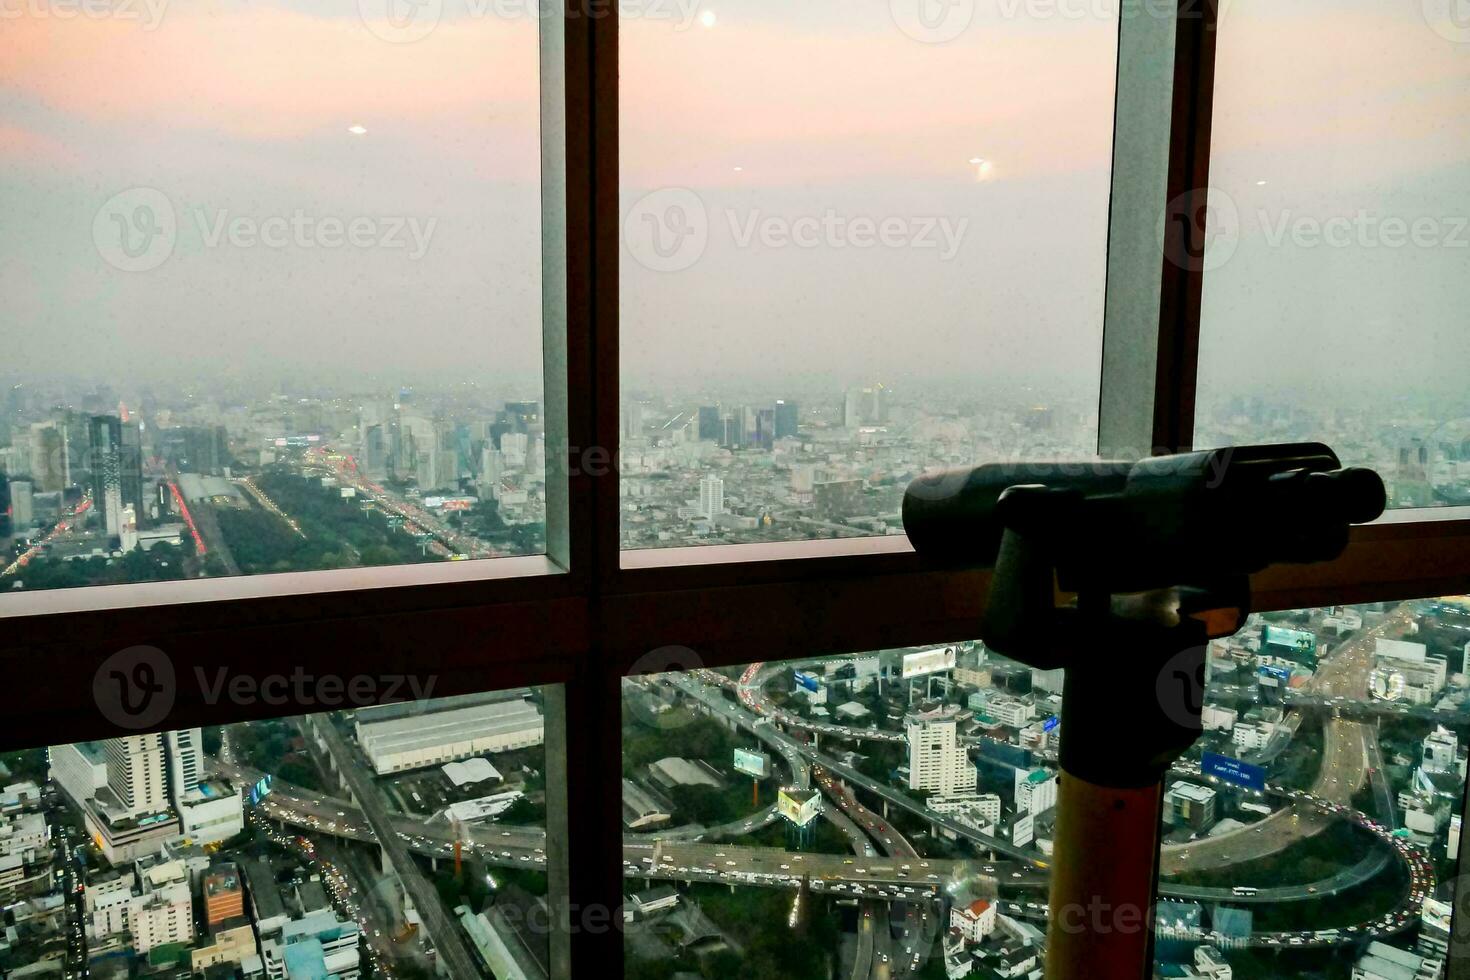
{"points": [[1023, 830], [1401, 650], [756, 764], [928, 661]]}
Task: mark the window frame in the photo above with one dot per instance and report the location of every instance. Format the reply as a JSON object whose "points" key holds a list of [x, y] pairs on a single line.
{"points": [[581, 616]]}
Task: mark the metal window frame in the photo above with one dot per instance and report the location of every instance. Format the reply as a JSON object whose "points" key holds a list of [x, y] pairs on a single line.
{"points": [[581, 616]]}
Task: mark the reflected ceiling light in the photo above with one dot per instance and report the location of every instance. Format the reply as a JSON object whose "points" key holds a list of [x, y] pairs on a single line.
{"points": [[707, 18], [357, 129]]}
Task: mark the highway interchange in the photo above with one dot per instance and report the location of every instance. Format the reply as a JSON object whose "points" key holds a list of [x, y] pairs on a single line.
{"points": [[902, 875]]}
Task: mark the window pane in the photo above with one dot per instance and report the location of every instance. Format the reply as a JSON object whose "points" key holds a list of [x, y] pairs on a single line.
{"points": [[272, 280], [255, 845], [838, 816], [1335, 284], [1316, 824], [858, 240]]}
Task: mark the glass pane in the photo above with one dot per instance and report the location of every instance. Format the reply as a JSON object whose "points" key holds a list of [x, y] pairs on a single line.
{"points": [[272, 280], [839, 816], [1314, 829], [254, 846], [859, 239], [1335, 287]]}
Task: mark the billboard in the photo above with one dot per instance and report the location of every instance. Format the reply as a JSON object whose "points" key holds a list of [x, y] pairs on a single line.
{"points": [[800, 806], [808, 681], [1274, 676], [928, 661], [1023, 831], [1233, 771], [1050, 725], [1292, 639], [1401, 650], [756, 764]]}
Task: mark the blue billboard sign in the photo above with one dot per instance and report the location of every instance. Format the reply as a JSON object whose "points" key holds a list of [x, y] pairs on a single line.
{"points": [[1233, 771], [1280, 674], [808, 681], [1050, 725]]}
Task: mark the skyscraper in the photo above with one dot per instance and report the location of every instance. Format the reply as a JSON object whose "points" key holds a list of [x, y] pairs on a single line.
{"points": [[136, 773], [787, 419], [711, 496], [114, 465], [185, 750], [938, 761], [709, 423]]}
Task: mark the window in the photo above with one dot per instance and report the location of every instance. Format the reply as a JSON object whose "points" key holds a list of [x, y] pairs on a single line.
{"points": [[268, 310], [257, 844], [803, 235], [443, 96], [1332, 292], [871, 804], [1317, 822]]}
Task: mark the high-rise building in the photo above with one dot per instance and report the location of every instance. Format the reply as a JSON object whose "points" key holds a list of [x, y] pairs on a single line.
{"points": [[185, 749], [136, 773], [48, 457], [22, 506], [1440, 748], [1036, 790], [709, 423], [938, 762], [711, 496], [523, 416], [765, 428], [1189, 805], [787, 419]]}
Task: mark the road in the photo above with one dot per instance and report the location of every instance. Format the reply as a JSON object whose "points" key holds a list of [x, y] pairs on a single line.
{"points": [[444, 931], [1346, 746]]}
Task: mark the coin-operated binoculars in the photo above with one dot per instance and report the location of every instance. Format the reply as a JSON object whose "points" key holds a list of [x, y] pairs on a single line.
{"points": [[1121, 573]]}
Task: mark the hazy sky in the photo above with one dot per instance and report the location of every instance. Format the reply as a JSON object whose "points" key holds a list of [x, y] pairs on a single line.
{"points": [[766, 112]]}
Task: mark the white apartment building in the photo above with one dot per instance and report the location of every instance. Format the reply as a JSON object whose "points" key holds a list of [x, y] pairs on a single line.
{"points": [[711, 497], [1036, 791], [938, 762], [136, 774], [161, 916], [1009, 711], [974, 921]]}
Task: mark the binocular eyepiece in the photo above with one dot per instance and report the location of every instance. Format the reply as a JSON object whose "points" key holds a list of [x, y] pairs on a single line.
{"points": [[1134, 526]]}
